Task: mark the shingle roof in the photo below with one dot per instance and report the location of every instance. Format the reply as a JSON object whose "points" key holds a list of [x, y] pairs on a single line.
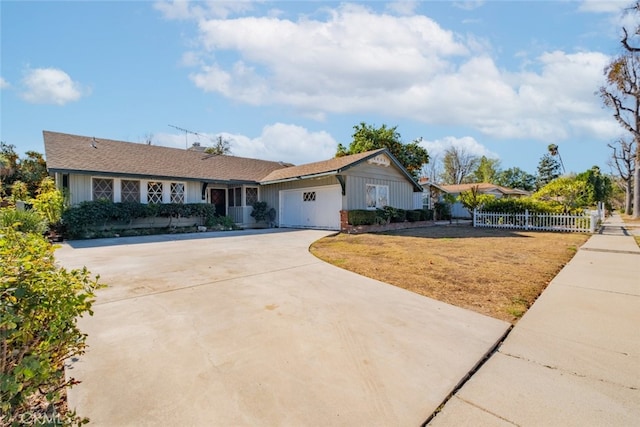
{"points": [[317, 168], [74, 153], [483, 187], [66, 152]]}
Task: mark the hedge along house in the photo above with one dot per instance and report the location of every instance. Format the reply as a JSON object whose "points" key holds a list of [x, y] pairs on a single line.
{"points": [[305, 196]]}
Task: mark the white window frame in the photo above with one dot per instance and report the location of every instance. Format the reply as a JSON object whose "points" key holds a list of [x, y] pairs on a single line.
{"points": [[155, 193], [246, 199], [177, 196], [376, 196], [123, 194], [93, 191]]}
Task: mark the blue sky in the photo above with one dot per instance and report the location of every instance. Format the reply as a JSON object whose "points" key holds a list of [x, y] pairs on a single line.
{"points": [[289, 80]]}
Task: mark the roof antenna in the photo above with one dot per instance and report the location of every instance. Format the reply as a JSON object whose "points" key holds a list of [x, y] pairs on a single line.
{"points": [[93, 142], [186, 133]]}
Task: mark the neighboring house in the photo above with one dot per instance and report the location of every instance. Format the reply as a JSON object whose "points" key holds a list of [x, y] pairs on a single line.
{"points": [[458, 210], [307, 196]]}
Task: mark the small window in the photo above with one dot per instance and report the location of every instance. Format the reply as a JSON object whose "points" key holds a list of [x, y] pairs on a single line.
{"points": [[235, 196], [377, 196], [129, 191], [309, 196], [177, 192], [252, 195], [103, 189], [154, 192]]}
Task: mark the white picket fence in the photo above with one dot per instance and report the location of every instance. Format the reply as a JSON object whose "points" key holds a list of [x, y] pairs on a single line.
{"points": [[586, 223]]}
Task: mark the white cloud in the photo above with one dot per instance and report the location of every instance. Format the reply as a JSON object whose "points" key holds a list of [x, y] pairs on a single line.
{"points": [[437, 147], [468, 5], [50, 86], [3, 83], [402, 7], [184, 10], [603, 6], [278, 142], [357, 61]]}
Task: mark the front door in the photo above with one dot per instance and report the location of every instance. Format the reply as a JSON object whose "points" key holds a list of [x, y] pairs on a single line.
{"points": [[218, 198]]}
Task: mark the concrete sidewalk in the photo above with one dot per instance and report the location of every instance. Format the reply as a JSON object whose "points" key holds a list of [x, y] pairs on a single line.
{"points": [[574, 358]]}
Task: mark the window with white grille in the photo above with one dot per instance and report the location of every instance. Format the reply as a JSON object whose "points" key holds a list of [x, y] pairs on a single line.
{"points": [[102, 189], [154, 192], [177, 192], [377, 196], [251, 195], [309, 196], [129, 191]]}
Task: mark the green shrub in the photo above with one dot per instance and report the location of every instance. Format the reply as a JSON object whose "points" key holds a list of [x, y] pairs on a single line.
{"points": [[442, 210], [80, 219], [428, 214], [398, 215], [415, 215], [361, 217], [40, 304], [49, 202], [24, 221], [520, 205]]}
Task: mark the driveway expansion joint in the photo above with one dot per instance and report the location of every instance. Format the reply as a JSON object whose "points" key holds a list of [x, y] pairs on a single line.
{"points": [[565, 371]]}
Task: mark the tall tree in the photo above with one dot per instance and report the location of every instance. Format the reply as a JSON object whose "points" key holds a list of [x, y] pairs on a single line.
{"points": [[598, 186], [516, 178], [433, 169], [487, 170], [367, 137], [623, 161], [548, 170], [458, 165], [221, 147], [622, 94], [8, 167], [32, 170]]}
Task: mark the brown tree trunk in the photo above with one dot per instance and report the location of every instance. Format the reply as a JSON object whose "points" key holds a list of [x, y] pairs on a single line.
{"points": [[636, 184]]}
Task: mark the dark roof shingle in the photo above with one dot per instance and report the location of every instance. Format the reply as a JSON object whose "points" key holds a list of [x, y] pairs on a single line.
{"points": [[66, 152], [317, 168]]}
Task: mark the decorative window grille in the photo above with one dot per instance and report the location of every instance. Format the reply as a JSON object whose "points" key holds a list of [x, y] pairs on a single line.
{"points": [[102, 189], [154, 192], [177, 192], [252, 195], [377, 196], [309, 196], [129, 191]]}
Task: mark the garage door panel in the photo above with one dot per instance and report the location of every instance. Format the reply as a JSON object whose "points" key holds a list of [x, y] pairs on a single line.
{"points": [[313, 207]]}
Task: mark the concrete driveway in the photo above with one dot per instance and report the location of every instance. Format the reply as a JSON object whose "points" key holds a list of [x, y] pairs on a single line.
{"points": [[249, 329]]}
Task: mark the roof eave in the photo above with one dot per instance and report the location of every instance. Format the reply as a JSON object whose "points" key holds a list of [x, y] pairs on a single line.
{"points": [[151, 177], [300, 177]]}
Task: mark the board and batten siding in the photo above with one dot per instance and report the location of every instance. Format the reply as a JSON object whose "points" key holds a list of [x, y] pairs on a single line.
{"points": [[357, 178], [271, 193], [81, 187]]}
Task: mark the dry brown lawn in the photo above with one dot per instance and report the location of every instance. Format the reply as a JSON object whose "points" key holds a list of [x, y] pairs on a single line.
{"points": [[499, 273], [633, 224]]}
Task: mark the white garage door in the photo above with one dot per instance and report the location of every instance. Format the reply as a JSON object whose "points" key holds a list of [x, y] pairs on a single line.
{"points": [[314, 207]]}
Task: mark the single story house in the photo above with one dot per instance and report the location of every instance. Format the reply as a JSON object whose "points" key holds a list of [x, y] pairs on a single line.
{"points": [[436, 191], [305, 196]]}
